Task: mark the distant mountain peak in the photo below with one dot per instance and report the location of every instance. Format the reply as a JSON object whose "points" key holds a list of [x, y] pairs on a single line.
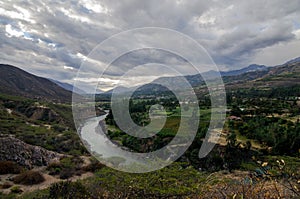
{"points": [[295, 60], [250, 68], [255, 66]]}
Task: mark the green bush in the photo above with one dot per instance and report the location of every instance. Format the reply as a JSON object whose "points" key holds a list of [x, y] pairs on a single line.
{"points": [[16, 189], [66, 173], [54, 168], [58, 128], [67, 167], [93, 166], [68, 190], [248, 166]]}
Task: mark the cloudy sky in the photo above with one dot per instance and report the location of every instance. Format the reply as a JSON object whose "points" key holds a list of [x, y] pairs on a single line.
{"points": [[51, 38]]}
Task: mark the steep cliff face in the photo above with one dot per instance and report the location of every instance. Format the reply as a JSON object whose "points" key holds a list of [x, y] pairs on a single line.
{"points": [[12, 149]]}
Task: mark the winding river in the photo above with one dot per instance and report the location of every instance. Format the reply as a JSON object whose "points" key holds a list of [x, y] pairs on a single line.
{"points": [[93, 134]]}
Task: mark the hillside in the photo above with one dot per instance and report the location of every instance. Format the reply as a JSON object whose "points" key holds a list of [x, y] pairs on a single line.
{"points": [[14, 81], [45, 124], [284, 75], [69, 87]]}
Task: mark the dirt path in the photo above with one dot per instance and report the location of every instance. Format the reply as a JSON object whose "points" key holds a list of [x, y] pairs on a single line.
{"points": [[49, 180]]}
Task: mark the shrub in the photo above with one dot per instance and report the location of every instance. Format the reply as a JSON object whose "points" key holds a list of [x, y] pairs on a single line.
{"points": [[68, 190], [54, 168], [71, 162], [29, 178], [6, 185], [67, 167], [66, 173], [16, 189], [58, 128], [55, 171], [9, 167], [93, 166]]}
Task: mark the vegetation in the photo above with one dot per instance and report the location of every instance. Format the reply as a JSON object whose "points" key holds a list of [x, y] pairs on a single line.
{"points": [[175, 181], [29, 178], [16, 189], [267, 126], [38, 123], [9, 167], [259, 157], [66, 167]]}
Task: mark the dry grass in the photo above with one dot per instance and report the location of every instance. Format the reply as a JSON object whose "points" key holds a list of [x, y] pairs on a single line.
{"points": [[29, 178]]}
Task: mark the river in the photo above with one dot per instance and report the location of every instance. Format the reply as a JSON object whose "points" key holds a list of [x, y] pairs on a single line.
{"points": [[94, 136]]}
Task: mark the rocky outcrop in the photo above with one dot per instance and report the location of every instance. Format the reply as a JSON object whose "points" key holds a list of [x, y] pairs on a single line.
{"points": [[41, 113], [12, 149]]}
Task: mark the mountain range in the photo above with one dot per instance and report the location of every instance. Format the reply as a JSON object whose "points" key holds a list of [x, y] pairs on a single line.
{"points": [[251, 75], [194, 80], [14, 81]]}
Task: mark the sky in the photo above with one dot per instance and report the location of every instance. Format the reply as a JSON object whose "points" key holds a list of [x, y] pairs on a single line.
{"points": [[52, 38]]}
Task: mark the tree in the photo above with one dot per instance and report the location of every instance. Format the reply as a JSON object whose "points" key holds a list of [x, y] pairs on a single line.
{"points": [[233, 156]]}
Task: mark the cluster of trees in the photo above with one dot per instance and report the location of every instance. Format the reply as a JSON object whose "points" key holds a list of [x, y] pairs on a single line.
{"points": [[257, 108], [285, 93], [268, 116], [282, 135]]}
